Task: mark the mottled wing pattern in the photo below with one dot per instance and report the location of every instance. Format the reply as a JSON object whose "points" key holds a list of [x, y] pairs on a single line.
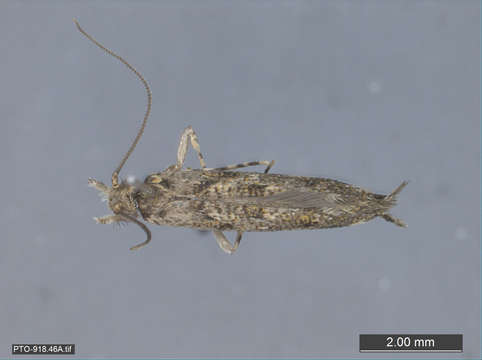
{"points": [[297, 199]]}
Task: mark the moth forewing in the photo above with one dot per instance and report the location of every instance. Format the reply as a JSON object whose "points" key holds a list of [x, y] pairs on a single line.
{"points": [[220, 199], [258, 202]]}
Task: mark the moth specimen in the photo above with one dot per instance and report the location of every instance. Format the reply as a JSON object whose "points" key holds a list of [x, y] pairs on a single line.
{"points": [[220, 199]]}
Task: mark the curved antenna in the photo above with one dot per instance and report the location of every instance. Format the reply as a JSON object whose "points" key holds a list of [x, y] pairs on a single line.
{"points": [[115, 174], [144, 227]]}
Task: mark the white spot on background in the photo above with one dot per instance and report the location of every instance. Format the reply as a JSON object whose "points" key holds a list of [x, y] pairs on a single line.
{"points": [[384, 284], [375, 87], [131, 179], [461, 233]]}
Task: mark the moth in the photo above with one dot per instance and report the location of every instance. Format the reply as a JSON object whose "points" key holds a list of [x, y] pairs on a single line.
{"points": [[220, 199]]}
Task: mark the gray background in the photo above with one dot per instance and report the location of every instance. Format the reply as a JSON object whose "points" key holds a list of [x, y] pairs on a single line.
{"points": [[371, 93]]}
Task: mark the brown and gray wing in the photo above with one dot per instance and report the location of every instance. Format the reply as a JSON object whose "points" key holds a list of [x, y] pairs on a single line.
{"points": [[300, 200]]}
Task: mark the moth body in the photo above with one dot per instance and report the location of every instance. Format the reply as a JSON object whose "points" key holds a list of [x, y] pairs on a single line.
{"points": [[249, 201], [222, 199]]}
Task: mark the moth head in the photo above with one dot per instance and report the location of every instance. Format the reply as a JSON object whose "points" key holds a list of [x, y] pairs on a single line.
{"points": [[121, 197]]}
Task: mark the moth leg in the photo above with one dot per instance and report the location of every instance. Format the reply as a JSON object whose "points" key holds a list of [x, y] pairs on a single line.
{"points": [[269, 165], [188, 135], [394, 220], [109, 219], [224, 243]]}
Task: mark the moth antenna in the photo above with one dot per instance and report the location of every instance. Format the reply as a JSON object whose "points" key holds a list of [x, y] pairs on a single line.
{"points": [[115, 174], [143, 227]]}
